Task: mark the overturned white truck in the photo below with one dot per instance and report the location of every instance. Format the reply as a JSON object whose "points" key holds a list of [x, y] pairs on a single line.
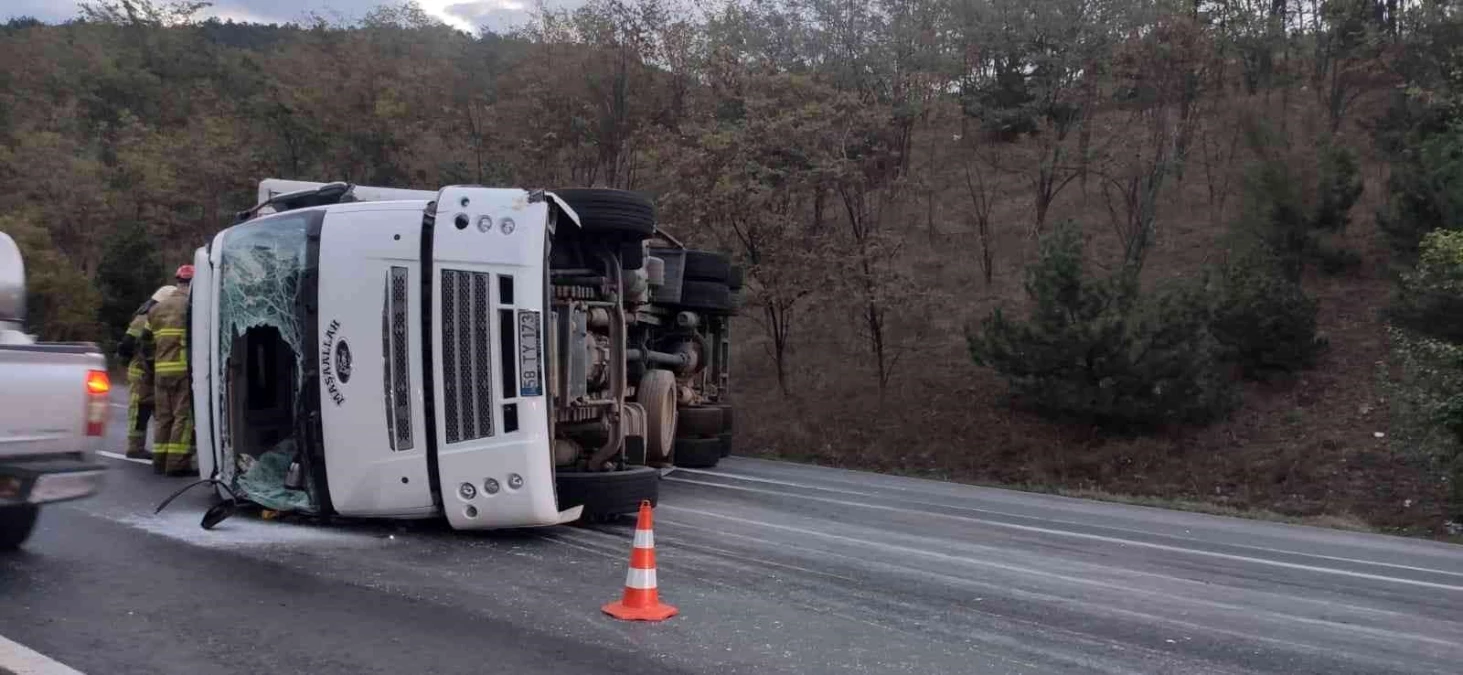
{"points": [[503, 357]]}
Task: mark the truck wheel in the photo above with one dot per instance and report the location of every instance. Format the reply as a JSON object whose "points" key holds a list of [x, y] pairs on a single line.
{"points": [[699, 421], [16, 522], [698, 453], [707, 266], [734, 278], [611, 211], [725, 438], [657, 394], [708, 296], [606, 494]]}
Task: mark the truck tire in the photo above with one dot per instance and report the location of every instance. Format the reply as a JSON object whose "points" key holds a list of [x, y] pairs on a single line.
{"points": [[734, 278], [699, 421], [707, 266], [611, 211], [657, 394], [698, 453], [726, 443], [709, 296], [606, 494], [16, 523]]}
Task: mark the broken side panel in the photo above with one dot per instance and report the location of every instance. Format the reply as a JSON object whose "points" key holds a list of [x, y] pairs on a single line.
{"points": [[261, 352]]}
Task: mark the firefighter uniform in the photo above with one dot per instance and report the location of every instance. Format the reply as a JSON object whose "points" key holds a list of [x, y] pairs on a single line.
{"points": [[172, 447], [137, 349]]}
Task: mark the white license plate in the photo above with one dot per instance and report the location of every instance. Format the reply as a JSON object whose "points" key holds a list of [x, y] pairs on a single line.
{"points": [[530, 355], [55, 487]]}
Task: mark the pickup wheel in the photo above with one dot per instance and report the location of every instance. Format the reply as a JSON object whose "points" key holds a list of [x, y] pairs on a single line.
{"points": [[16, 522], [698, 453], [611, 211], [725, 439], [607, 494]]}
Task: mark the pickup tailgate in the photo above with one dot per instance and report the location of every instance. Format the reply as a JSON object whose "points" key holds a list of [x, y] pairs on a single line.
{"points": [[44, 397]]}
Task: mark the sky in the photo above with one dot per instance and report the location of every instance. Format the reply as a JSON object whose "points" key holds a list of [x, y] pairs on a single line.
{"points": [[468, 15]]}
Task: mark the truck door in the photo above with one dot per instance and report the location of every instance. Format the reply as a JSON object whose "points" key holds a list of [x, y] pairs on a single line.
{"points": [[491, 421], [368, 347]]}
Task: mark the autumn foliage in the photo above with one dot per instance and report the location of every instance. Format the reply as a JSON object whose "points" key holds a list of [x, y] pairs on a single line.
{"points": [[1144, 202]]}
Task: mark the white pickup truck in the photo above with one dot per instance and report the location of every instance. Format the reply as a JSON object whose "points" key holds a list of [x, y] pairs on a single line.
{"points": [[53, 412]]}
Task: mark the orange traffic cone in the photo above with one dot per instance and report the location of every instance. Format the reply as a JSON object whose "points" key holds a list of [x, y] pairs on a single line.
{"points": [[641, 601]]}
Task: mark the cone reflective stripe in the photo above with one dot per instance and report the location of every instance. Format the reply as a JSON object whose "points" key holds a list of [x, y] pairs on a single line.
{"points": [[641, 601]]}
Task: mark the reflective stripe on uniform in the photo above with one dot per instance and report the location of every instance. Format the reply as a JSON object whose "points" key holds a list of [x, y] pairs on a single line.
{"points": [[170, 332], [171, 368]]}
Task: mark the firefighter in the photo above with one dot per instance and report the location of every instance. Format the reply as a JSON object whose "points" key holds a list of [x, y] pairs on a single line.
{"points": [[172, 445], [137, 352]]}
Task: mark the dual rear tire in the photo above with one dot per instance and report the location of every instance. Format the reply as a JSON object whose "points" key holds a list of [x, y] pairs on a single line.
{"points": [[703, 436]]}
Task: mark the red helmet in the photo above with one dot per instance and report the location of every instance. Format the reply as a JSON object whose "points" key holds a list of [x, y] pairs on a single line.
{"points": [[184, 273]]}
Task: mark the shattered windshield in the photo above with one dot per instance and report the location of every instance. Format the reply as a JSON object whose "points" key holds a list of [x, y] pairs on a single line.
{"points": [[260, 269], [261, 338]]}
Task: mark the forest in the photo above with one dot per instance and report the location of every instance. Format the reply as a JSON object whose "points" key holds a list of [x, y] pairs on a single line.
{"points": [[1199, 254]]}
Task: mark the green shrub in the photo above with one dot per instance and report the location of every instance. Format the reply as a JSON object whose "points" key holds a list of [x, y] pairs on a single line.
{"points": [[1425, 190], [1097, 351], [1427, 348], [1264, 321], [1426, 406], [1429, 299], [1289, 215]]}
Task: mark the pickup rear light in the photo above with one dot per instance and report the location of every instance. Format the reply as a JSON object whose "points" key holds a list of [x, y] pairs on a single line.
{"points": [[97, 387], [97, 382]]}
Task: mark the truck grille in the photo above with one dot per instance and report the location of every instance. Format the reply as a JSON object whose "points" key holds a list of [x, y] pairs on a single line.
{"points": [[467, 372], [397, 379]]}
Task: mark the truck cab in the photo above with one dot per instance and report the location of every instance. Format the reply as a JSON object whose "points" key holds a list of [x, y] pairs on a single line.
{"points": [[474, 353]]}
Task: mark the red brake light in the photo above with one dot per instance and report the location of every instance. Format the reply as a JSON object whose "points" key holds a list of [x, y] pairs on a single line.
{"points": [[97, 382]]}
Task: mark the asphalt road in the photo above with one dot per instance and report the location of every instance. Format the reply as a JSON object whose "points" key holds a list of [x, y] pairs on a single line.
{"points": [[775, 568]]}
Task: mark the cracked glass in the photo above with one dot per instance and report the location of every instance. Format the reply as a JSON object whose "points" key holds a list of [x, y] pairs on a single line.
{"points": [[261, 266]]}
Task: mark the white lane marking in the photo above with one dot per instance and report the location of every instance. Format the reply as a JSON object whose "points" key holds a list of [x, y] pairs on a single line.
{"points": [[1163, 598], [18, 659], [125, 458], [1248, 547], [1095, 537]]}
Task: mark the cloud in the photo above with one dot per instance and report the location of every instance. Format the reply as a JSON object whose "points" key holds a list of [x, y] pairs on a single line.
{"points": [[45, 10], [496, 15]]}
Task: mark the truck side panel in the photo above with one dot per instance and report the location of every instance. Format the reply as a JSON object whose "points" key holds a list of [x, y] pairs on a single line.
{"points": [[200, 362], [369, 342]]}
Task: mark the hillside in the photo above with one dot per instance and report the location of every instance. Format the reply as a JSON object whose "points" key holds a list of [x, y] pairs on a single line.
{"points": [[890, 174]]}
